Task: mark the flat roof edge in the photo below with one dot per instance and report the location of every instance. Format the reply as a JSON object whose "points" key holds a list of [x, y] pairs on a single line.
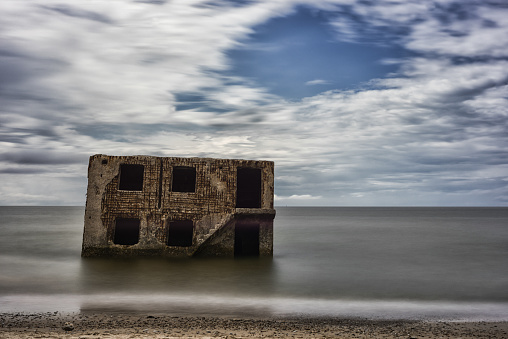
{"points": [[170, 157]]}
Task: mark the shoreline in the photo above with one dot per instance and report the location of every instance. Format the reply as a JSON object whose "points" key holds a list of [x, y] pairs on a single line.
{"points": [[148, 325]]}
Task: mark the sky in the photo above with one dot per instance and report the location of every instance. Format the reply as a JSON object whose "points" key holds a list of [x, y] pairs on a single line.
{"points": [[358, 102]]}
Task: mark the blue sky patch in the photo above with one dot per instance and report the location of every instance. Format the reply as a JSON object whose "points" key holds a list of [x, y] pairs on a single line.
{"points": [[297, 56]]}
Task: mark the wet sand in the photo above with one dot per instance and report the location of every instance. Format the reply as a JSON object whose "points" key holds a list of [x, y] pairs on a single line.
{"points": [[114, 325]]}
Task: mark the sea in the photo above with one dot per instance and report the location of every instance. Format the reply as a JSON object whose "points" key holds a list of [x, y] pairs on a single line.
{"points": [[418, 263]]}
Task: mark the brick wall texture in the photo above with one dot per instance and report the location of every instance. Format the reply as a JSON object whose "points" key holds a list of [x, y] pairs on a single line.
{"points": [[211, 206]]}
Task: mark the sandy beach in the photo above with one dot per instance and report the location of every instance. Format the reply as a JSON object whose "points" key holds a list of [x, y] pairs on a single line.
{"points": [[114, 325]]}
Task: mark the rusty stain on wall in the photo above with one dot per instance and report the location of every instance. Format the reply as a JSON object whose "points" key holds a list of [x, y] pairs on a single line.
{"points": [[178, 207]]}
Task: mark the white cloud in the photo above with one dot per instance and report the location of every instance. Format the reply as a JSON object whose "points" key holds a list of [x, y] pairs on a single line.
{"points": [[317, 82], [298, 197], [484, 34], [103, 77], [128, 67]]}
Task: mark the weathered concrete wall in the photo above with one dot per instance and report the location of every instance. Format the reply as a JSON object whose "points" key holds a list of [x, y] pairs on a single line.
{"points": [[211, 207]]}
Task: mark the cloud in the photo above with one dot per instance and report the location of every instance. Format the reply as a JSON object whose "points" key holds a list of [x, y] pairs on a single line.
{"points": [[40, 157], [23, 170], [467, 28], [148, 77], [126, 66], [412, 133], [297, 197], [479, 32], [43, 189], [317, 82], [79, 13]]}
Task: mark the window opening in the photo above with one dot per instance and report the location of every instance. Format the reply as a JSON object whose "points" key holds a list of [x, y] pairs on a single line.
{"points": [[180, 233], [126, 231], [184, 179], [131, 177], [248, 188], [246, 239]]}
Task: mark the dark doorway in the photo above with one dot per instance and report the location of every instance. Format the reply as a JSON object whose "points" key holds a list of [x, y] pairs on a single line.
{"points": [[126, 231], [248, 188], [131, 177], [180, 233], [184, 179], [246, 239]]}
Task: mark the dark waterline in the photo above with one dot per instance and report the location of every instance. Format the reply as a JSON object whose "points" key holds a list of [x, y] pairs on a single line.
{"points": [[347, 261]]}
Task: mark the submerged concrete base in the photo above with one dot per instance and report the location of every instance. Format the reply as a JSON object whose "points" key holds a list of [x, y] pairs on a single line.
{"points": [[220, 240]]}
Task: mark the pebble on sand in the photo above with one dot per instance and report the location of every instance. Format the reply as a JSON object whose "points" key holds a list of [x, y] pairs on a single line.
{"points": [[68, 326]]}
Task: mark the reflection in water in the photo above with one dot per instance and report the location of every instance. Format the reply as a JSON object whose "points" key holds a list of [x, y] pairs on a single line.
{"points": [[252, 276], [179, 285]]}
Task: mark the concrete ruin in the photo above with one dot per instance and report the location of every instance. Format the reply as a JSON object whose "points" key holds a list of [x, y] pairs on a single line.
{"points": [[178, 207]]}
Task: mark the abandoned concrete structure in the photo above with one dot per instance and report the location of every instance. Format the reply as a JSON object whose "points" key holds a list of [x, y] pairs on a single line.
{"points": [[177, 207]]}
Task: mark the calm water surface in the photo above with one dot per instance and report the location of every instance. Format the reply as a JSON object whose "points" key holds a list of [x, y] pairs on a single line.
{"points": [[418, 263]]}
